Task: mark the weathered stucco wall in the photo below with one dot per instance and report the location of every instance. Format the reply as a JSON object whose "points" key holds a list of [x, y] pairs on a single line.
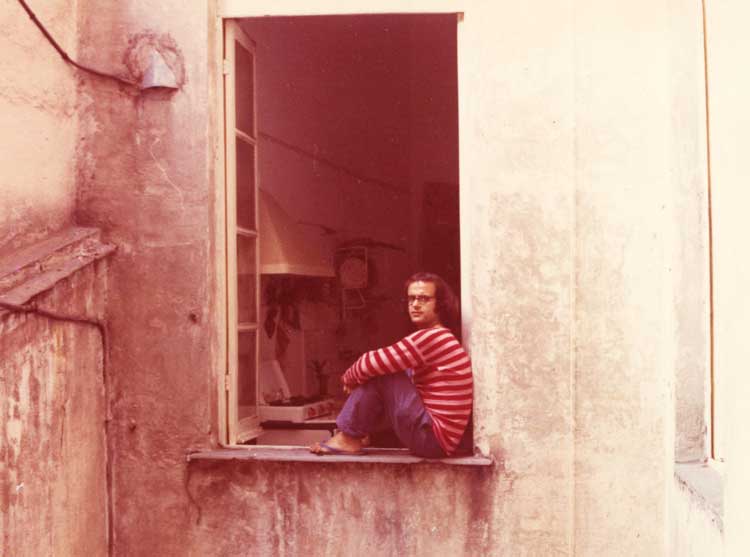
{"points": [[147, 182], [729, 89], [690, 254], [38, 120], [568, 199], [144, 178], [624, 340], [324, 509], [53, 489], [729, 121], [517, 194]]}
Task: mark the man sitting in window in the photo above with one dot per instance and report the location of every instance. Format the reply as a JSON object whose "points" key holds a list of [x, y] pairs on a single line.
{"points": [[421, 387]]}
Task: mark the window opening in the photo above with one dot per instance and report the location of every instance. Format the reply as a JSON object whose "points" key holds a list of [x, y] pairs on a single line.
{"points": [[342, 173]]}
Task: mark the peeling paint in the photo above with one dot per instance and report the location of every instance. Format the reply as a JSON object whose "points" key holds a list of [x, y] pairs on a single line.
{"points": [[52, 440]]}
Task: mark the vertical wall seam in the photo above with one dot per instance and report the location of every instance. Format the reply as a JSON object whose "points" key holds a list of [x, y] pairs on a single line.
{"points": [[712, 358]]}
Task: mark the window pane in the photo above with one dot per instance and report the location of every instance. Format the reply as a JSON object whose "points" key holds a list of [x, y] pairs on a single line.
{"points": [[246, 372], [246, 280], [243, 89], [245, 185]]}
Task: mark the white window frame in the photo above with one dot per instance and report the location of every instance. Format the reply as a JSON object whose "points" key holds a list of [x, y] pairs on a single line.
{"points": [[233, 428]]}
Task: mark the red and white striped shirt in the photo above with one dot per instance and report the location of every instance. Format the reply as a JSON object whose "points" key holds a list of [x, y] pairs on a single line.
{"points": [[442, 375]]}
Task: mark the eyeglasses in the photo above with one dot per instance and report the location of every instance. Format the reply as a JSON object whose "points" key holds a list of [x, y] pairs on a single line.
{"points": [[419, 298]]}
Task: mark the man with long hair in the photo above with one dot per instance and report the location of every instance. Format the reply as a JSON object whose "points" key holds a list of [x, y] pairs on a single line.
{"points": [[421, 387]]}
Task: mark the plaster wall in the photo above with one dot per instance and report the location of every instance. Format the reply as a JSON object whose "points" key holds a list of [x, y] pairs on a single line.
{"points": [[729, 87], [517, 175], [38, 120], [690, 256], [53, 494], [146, 180], [568, 198]]}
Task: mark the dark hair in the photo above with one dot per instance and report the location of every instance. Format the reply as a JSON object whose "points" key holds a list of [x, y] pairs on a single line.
{"points": [[446, 302]]}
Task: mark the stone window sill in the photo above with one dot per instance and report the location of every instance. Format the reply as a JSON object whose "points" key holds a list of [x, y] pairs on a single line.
{"points": [[301, 454], [706, 486]]}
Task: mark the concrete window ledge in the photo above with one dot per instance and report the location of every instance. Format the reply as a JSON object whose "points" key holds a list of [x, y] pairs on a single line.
{"points": [[706, 486], [301, 454]]}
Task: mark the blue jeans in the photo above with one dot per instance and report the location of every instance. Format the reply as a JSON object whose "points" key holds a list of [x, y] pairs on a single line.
{"points": [[393, 402]]}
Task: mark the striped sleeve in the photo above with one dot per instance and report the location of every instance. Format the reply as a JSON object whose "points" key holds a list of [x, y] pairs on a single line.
{"points": [[392, 359]]}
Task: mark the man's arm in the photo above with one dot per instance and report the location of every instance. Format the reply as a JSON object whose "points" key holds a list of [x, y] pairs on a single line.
{"points": [[391, 359], [422, 348]]}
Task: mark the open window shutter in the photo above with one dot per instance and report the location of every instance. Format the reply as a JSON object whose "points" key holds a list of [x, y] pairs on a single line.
{"points": [[241, 148]]}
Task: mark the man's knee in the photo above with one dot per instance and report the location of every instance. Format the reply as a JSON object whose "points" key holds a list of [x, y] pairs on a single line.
{"points": [[389, 387]]}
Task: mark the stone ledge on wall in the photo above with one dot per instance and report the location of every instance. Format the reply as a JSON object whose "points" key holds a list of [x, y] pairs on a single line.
{"points": [[302, 454], [28, 272], [706, 486]]}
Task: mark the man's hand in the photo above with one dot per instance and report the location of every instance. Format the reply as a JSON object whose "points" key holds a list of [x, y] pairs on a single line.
{"points": [[348, 390]]}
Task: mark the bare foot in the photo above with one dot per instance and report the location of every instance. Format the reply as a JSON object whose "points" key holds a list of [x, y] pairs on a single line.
{"points": [[339, 442]]}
